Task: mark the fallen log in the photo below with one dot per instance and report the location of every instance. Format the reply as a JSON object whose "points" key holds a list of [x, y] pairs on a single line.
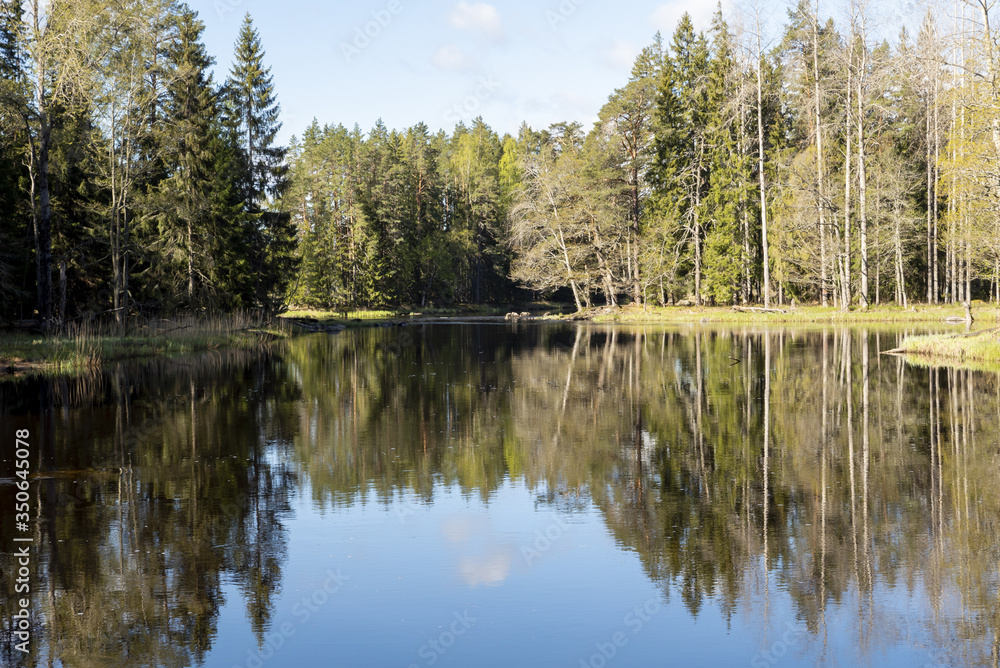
{"points": [[757, 309]]}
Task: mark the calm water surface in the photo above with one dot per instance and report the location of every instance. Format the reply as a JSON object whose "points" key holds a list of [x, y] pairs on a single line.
{"points": [[513, 495]]}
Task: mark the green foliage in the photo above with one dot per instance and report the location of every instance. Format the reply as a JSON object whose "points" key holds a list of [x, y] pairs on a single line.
{"points": [[398, 217], [15, 269], [155, 191], [252, 114]]}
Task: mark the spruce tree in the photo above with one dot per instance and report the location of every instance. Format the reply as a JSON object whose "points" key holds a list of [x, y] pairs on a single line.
{"points": [[253, 123], [731, 174], [11, 57], [679, 170], [12, 105], [187, 238]]}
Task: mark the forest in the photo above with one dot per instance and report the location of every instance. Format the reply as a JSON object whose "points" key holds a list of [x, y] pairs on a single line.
{"points": [[841, 162]]}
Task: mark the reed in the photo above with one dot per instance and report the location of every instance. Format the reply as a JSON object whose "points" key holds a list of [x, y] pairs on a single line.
{"points": [[919, 313], [981, 347], [89, 345]]}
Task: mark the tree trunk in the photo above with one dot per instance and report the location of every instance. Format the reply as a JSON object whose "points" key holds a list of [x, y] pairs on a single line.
{"points": [[569, 271], [43, 227], [634, 232], [190, 263], [996, 278], [930, 208], [937, 155], [900, 279], [697, 225], [819, 163], [766, 289], [847, 193], [862, 186], [62, 292], [746, 258]]}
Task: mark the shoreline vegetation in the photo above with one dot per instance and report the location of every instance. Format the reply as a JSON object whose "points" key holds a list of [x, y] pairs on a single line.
{"points": [[90, 346], [976, 350]]}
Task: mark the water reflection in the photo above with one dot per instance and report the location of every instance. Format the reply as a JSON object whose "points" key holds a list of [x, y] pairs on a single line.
{"points": [[153, 487], [797, 483]]}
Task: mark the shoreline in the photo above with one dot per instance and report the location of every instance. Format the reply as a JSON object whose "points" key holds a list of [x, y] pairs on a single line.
{"points": [[85, 348], [967, 349], [23, 353]]}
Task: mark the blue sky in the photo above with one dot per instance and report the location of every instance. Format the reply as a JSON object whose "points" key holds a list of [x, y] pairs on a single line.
{"points": [[437, 61]]}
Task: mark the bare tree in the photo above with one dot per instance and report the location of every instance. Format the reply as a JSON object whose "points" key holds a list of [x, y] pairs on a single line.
{"points": [[758, 33]]}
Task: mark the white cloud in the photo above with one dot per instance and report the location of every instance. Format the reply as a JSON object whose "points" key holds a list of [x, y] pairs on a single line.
{"points": [[461, 528], [619, 56], [478, 16], [486, 570], [666, 17], [451, 58]]}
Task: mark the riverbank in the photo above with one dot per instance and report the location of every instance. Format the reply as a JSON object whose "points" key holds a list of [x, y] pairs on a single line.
{"points": [[976, 349], [918, 313], [90, 346]]}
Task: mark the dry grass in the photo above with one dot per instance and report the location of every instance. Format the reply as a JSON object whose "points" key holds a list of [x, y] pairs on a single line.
{"points": [[919, 313], [981, 347], [90, 345]]}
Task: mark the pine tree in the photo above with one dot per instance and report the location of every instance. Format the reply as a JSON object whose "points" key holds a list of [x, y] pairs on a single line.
{"points": [[629, 118], [253, 124]]}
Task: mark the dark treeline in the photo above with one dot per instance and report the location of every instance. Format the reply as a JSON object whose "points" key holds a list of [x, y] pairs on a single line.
{"points": [[131, 183], [822, 165]]}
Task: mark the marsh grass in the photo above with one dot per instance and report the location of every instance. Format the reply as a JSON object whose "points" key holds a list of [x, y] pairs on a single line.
{"points": [[83, 346], [980, 349], [920, 313], [365, 317]]}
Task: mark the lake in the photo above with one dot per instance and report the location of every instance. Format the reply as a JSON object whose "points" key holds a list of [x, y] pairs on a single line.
{"points": [[512, 495]]}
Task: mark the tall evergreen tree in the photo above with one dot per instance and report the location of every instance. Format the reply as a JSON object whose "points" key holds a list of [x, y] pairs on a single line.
{"points": [[188, 239], [681, 150], [731, 174], [13, 107], [253, 113], [11, 58]]}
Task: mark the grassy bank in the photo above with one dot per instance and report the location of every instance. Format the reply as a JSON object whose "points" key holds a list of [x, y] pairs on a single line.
{"points": [[365, 318], [919, 313], [977, 349], [90, 346], [885, 315]]}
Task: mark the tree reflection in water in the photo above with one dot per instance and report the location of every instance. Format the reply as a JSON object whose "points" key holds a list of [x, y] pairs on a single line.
{"points": [[736, 463]]}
